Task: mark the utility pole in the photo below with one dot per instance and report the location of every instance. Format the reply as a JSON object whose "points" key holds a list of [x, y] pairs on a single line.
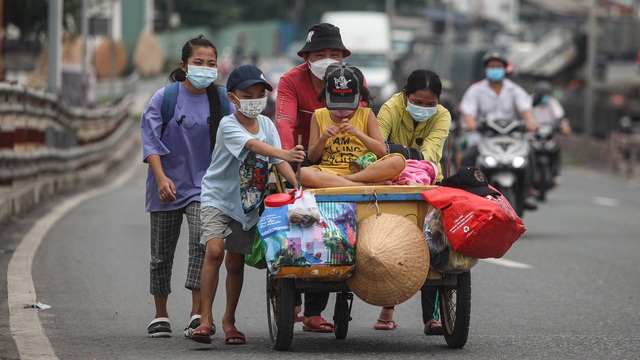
{"points": [[390, 8], [1, 40], [589, 75], [84, 29], [54, 57], [448, 40]]}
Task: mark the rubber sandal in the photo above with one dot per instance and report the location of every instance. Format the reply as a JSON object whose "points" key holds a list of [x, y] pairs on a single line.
{"points": [[201, 334], [433, 327], [194, 322], [314, 324], [388, 325], [234, 334], [159, 328]]}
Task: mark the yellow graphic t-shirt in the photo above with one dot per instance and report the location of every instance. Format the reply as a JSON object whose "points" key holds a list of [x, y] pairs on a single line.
{"points": [[340, 150]]}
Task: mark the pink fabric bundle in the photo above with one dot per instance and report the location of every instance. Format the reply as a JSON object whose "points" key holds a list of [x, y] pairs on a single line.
{"points": [[418, 172]]}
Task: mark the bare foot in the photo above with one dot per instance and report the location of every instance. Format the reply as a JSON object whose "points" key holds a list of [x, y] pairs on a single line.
{"points": [[296, 314], [388, 182], [385, 320]]}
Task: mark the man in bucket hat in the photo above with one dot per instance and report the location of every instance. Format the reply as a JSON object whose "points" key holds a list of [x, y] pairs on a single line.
{"points": [[299, 88], [296, 101]]}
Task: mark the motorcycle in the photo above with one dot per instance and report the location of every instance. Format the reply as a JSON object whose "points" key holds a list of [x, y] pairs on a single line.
{"points": [[503, 156], [545, 147]]}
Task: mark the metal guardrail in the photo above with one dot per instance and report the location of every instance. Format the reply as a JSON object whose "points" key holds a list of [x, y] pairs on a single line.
{"points": [[625, 149], [41, 136]]}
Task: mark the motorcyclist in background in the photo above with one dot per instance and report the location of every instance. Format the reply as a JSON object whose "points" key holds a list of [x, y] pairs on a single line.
{"points": [[547, 110], [495, 97]]}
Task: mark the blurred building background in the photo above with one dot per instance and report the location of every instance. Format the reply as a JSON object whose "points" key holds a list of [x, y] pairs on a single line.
{"points": [[108, 45]]}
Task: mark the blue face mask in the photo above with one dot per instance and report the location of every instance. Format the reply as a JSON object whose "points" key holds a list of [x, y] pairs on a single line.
{"points": [[419, 113], [544, 100], [201, 76], [495, 74]]}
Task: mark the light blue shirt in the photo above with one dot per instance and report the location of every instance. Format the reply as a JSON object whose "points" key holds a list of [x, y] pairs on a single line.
{"points": [[184, 147], [237, 178]]}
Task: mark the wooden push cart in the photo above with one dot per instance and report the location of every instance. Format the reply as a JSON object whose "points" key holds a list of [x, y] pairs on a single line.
{"points": [[454, 290]]}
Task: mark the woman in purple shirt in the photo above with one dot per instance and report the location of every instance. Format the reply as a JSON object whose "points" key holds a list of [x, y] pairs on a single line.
{"points": [[178, 150]]}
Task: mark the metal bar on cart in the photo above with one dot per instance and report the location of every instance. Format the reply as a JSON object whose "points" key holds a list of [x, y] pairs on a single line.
{"points": [[368, 197], [321, 286], [448, 280]]}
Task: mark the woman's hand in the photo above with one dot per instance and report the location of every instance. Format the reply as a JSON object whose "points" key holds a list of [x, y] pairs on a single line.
{"points": [[166, 190]]}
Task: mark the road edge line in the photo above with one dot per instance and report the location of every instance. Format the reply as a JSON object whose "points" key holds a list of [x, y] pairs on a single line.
{"points": [[24, 323]]}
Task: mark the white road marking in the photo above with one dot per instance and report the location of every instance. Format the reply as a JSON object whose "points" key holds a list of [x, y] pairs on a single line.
{"points": [[24, 322], [508, 263], [605, 201]]}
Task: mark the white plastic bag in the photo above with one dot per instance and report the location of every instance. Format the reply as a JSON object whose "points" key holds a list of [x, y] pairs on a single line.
{"points": [[304, 210]]}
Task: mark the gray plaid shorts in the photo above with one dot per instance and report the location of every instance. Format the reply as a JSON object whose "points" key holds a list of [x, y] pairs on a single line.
{"points": [[165, 232], [218, 225]]}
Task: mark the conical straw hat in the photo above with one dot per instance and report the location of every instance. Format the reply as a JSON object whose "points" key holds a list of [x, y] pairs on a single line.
{"points": [[391, 262]]}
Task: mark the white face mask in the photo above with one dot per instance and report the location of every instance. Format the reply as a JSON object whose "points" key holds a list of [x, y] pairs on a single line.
{"points": [[251, 108], [319, 68]]}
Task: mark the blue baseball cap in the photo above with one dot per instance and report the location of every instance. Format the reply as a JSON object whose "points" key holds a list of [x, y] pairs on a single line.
{"points": [[246, 75]]}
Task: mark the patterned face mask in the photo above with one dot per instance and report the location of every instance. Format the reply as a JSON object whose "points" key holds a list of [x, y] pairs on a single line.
{"points": [[251, 108]]}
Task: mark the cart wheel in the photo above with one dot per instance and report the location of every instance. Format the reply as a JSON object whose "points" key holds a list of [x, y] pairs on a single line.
{"points": [[280, 306], [455, 310], [342, 315]]}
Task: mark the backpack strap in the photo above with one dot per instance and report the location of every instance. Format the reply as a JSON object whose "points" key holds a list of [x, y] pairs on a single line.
{"points": [[223, 105], [224, 102], [169, 101]]}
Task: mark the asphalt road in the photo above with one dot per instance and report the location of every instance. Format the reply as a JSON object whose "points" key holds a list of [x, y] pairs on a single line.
{"points": [[571, 292]]}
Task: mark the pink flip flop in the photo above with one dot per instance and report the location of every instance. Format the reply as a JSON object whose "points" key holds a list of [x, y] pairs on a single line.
{"points": [[388, 325]]}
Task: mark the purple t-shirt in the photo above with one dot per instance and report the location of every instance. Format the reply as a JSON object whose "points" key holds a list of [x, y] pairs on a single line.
{"points": [[183, 147]]}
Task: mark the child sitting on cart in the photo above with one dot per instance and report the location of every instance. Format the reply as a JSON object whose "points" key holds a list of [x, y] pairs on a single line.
{"points": [[342, 132]]}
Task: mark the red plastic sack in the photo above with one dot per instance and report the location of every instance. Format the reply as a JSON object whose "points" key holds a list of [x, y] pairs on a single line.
{"points": [[477, 226]]}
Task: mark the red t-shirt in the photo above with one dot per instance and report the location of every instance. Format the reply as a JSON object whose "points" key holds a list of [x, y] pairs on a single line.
{"points": [[296, 101]]}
